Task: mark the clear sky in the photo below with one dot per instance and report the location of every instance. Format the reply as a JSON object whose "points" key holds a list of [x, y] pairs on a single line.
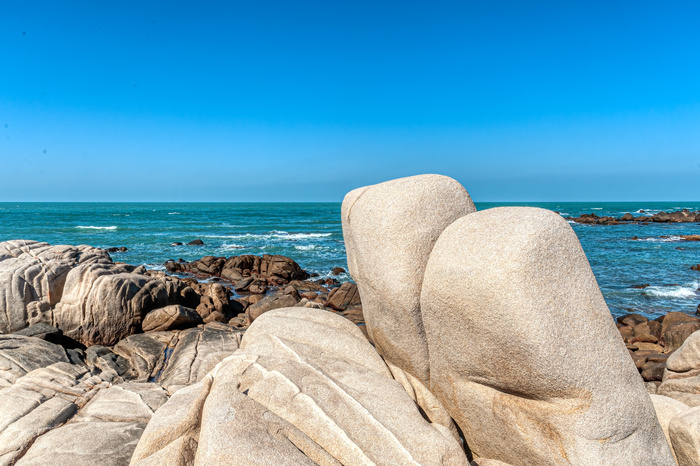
{"points": [[303, 101]]}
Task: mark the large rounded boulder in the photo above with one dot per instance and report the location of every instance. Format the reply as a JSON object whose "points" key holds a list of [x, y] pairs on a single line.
{"points": [[389, 230], [524, 353]]}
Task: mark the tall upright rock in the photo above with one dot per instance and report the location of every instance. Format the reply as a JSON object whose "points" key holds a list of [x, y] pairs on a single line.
{"points": [[389, 230], [524, 353]]}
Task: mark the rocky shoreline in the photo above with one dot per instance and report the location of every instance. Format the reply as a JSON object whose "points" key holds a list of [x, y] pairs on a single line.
{"points": [[681, 216], [108, 363]]}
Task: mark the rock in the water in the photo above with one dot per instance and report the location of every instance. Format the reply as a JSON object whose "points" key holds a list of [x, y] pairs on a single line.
{"points": [[170, 318], [389, 230], [196, 242], [306, 387], [523, 351]]}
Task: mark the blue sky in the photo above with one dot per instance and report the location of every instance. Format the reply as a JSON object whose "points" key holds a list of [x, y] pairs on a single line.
{"points": [[303, 101]]}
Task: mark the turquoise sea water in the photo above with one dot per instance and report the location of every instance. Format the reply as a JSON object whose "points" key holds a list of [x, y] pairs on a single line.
{"points": [[311, 234]]}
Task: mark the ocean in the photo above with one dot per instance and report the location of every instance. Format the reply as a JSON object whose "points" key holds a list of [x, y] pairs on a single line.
{"points": [[311, 234]]}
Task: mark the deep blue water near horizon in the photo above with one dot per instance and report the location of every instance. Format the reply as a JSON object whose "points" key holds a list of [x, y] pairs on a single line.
{"points": [[311, 234]]}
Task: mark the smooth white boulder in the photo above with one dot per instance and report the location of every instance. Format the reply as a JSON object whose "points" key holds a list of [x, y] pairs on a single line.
{"points": [[524, 353], [304, 387], [389, 230]]}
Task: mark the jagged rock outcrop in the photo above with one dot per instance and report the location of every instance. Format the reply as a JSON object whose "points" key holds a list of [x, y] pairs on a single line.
{"points": [[306, 387], [389, 230], [507, 298], [77, 289]]}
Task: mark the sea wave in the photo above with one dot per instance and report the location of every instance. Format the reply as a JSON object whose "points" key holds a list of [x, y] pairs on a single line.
{"points": [[174, 213], [661, 239], [272, 235], [232, 246], [305, 247], [91, 227], [687, 291]]}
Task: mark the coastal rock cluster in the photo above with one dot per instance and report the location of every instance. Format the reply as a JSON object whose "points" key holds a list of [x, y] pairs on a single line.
{"points": [[681, 216], [467, 337]]}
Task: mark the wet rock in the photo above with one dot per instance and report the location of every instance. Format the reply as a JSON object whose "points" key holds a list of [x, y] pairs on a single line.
{"points": [[197, 242], [337, 271], [176, 243]]}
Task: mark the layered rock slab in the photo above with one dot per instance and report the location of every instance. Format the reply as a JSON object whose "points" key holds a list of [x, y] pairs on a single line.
{"points": [[523, 351], [77, 289], [305, 387], [389, 230]]}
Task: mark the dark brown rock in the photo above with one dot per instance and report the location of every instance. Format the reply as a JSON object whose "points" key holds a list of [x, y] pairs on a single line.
{"points": [[269, 303], [302, 285], [197, 242], [632, 319], [672, 317], [627, 333], [653, 371], [337, 271], [677, 332], [343, 297]]}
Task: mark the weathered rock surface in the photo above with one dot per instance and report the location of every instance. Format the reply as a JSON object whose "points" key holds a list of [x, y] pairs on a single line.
{"points": [[170, 318], [666, 409], [76, 289], [22, 354], [269, 303], [681, 380], [105, 431], [196, 353], [389, 230], [306, 387], [684, 431], [523, 351]]}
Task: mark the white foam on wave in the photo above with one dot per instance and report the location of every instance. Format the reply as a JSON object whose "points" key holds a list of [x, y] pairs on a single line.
{"points": [[667, 239], [306, 247], [596, 208], [232, 246], [91, 227], [174, 213], [687, 291], [271, 235]]}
